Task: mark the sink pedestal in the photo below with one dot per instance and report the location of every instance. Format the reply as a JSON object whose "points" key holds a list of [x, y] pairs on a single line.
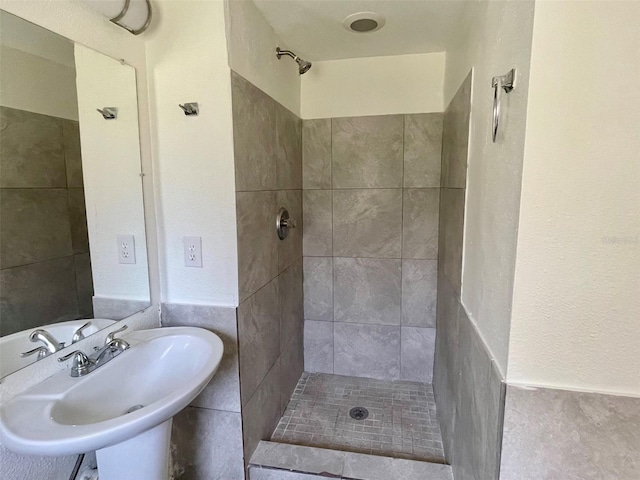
{"points": [[145, 456]]}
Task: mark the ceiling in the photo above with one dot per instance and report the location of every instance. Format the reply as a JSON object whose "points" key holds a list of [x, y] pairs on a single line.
{"points": [[313, 28]]}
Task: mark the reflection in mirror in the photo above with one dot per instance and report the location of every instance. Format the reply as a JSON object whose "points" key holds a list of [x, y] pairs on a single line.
{"points": [[72, 238]]}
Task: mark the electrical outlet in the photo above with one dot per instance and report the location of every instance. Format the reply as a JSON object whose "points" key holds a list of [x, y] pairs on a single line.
{"points": [[126, 249], [193, 252]]}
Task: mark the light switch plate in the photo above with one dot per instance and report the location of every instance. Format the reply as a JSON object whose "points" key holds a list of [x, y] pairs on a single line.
{"points": [[126, 249], [193, 252]]}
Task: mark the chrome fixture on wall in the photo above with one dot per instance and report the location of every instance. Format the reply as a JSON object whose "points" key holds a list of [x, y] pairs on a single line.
{"points": [[303, 65], [108, 113], [506, 83], [132, 15], [283, 223], [191, 108]]}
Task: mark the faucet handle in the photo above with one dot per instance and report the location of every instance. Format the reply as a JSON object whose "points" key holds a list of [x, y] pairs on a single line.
{"points": [[41, 351], [80, 365], [79, 334], [112, 335]]}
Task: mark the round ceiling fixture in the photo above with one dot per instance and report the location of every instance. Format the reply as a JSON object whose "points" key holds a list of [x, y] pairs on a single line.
{"points": [[363, 22]]}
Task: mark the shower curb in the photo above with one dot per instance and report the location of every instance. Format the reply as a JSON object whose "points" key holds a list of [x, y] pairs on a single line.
{"points": [[283, 461]]}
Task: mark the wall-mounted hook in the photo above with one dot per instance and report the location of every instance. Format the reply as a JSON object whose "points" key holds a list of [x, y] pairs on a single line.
{"points": [[190, 108], [506, 83], [108, 113]]}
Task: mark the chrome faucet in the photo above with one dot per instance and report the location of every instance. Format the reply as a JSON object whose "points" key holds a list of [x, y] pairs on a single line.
{"points": [[83, 365], [79, 333], [51, 345]]}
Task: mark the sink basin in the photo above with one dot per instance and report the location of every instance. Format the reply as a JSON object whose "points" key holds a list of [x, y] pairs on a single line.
{"points": [[11, 346], [142, 388]]}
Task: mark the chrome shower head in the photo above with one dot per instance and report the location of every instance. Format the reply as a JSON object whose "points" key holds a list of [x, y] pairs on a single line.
{"points": [[303, 65]]}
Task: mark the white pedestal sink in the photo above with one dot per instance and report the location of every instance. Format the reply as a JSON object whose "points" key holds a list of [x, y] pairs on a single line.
{"points": [[123, 409]]}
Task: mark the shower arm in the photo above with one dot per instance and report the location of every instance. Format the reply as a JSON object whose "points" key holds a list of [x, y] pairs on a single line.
{"points": [[279, 53]]}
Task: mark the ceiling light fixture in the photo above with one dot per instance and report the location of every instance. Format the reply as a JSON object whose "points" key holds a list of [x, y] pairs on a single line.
{"points": [[363, 22]]}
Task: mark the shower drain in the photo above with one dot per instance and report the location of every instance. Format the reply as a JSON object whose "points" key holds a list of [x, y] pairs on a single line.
{"points": [[359, 413], [134, 408]]}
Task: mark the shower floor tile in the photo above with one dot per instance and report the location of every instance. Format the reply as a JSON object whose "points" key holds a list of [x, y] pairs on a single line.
{"points": [[401, 423]]}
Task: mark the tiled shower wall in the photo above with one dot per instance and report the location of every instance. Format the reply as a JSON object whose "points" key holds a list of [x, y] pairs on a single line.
{"points": [[371, 203], [268, 170], [45, 265], [468, 387]]}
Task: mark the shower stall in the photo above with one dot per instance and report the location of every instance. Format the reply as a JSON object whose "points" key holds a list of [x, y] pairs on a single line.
{"points": [[339, 322]]}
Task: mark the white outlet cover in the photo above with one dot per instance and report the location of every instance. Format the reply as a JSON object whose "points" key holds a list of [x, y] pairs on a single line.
{"points": [[126, 249], [193, 252]]}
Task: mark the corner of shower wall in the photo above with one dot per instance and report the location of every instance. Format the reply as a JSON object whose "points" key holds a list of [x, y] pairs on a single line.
{"points": [[268, 175], [468, 387]]}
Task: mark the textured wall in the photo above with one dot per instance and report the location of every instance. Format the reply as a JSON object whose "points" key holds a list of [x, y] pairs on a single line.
{"points": [[45, 266], [576, 302], [495, 37], [467, 383], [371, 193], [362, 86], [268, 167], [193, 155]]}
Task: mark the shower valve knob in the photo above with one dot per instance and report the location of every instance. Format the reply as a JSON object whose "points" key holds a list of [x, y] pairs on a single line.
{"points": [[283, 223]]}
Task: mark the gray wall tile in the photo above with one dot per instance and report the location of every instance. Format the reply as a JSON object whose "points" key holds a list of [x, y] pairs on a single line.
{"points": [[367, 223], [416, 353], [316, 153], [254, 136], [206, 444], [451, 235], [367, 290], [72, 153], [291, 367], [291, 306], [36, 294], [367, 152], [595, 436], [455, 138], [419, 292], [422, 150], [262, 412], [260, 473], [289, 249], [318, 288], [420, 212], [117, 308], [367, 350], [84, 283], [289, 148], [259, 337], [31, 151], [78, 221], [223, 391], [300, 458], [318, 222], [446, 368], [371, 467], [318, 346], [469, 392], [257, 240], [35, 225]]}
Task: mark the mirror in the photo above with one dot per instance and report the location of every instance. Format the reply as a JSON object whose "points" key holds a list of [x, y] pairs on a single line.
{"points": [[72, 237]]}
